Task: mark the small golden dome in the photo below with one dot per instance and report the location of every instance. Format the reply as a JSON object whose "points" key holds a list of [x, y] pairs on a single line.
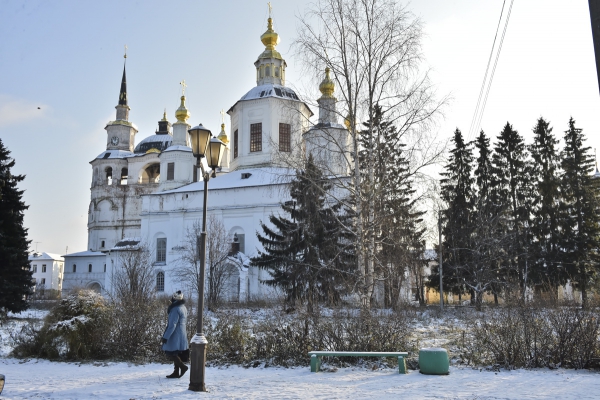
{"points": [[182, 114], [165, 115], [152, 150], [327, 86], [347, 121], [223, 136], [270, 38]]}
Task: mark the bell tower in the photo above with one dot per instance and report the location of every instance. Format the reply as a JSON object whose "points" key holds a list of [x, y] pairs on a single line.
{"points": [[120, 133]]}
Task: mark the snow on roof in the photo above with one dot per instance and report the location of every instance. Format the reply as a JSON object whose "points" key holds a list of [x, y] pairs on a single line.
{"points": [[114, 154], [127, 244], [271, 90], [88, 253], [178, 147], [158, 141], [240, 178], [45, 256]]}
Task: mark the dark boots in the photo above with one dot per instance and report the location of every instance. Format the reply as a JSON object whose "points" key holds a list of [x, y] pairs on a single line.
{"points": [[180, 367]]}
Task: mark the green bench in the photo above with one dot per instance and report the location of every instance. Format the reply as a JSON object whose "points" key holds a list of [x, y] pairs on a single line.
{"points": [[315, 357]]}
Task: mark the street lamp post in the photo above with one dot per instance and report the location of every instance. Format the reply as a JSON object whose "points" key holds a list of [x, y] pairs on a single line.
{"points": [[212, 149]]}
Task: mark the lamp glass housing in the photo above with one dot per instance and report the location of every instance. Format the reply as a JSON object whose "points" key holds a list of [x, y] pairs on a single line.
{"points": [[215, 153], [199, 137]]}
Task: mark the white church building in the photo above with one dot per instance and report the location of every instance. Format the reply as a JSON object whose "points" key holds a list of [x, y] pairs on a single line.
{"points": [[150, 193]]}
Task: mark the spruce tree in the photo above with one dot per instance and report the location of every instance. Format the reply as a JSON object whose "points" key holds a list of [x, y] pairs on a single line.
{"points": [[489, 237], [511, 192], [15, 276], [579, 220], [457, 193], [307, 251], [396, 224], [545, 265]]}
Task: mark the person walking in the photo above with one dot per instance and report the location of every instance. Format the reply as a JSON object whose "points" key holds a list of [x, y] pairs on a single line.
{"points": [[174, 340]]}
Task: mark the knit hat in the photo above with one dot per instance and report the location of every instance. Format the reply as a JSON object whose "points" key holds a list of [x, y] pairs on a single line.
{"points": [[178, 295]]}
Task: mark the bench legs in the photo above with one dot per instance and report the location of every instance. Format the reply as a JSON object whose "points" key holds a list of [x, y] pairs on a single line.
{"points": [[315, 363], [402, 365]]}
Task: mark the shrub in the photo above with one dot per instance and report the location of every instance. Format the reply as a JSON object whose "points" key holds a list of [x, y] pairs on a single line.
{"points": [[75, 329]]}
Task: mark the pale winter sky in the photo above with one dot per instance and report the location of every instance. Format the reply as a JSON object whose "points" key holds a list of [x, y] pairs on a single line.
{"points": [[66, 57]]}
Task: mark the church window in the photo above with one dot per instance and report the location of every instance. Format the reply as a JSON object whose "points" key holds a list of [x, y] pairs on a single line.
{"points": [[109, 175], [105, 268], [74, 267], [235, 144], [268, 71], [285, 141], [277, 72], [170, 171], [160, 282], [43, 267], [161, 249], [256, 137], [238, 243], [102, 244], [89, 267], [124, 173]]}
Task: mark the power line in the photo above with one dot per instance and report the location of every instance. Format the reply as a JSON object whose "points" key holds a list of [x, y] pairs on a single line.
{"points": [[486, 72], [480, 108]]}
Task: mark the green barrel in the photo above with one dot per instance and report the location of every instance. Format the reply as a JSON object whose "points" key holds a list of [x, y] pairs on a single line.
{"points": [[434, 361]]}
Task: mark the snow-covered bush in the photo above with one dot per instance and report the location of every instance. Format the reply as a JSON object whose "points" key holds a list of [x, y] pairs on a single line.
{"points": [[75, 329]]}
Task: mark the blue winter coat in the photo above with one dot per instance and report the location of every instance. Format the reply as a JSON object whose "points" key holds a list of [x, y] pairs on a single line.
{"points": [[176, 333]]}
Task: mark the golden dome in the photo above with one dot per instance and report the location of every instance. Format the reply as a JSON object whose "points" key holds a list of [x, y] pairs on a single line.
{"points": [[327, 86], [223, 136], [152, 150], [347, 121], [182, 114], [270, 39], [164, 116]]}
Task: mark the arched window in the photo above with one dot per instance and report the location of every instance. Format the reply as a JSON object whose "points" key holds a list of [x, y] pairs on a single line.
{"points": [[74, 268], [89, 267], [108, 175], [268, 71], [160, 282], [161, 250], [124, 173]]}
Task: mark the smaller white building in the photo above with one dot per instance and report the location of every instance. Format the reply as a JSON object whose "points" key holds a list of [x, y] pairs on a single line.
{"points": [[48, 271], [85, 270]]}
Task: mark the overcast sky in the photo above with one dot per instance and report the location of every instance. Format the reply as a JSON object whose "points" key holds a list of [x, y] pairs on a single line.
{"points": [[66, 57]]}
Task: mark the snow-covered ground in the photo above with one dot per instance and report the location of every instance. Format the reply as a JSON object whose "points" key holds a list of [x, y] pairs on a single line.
{"points": [[40, 379]]}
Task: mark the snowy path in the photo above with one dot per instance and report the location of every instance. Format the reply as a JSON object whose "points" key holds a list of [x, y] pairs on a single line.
{"points": [[40, 379]]}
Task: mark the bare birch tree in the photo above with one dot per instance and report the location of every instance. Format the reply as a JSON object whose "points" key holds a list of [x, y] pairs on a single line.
{"points": [[221, 265], [373, 50]]}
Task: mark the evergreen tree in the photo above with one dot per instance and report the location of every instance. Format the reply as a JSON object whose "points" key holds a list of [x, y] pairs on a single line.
{"points": [[579, 212], [511, 192], [396, 225], [545, 265], [457, 193], [15, 276], [489, 238], [307, 251]]}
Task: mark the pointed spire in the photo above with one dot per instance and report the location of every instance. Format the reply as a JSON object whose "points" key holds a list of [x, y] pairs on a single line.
{"points": [[123, 93]]}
